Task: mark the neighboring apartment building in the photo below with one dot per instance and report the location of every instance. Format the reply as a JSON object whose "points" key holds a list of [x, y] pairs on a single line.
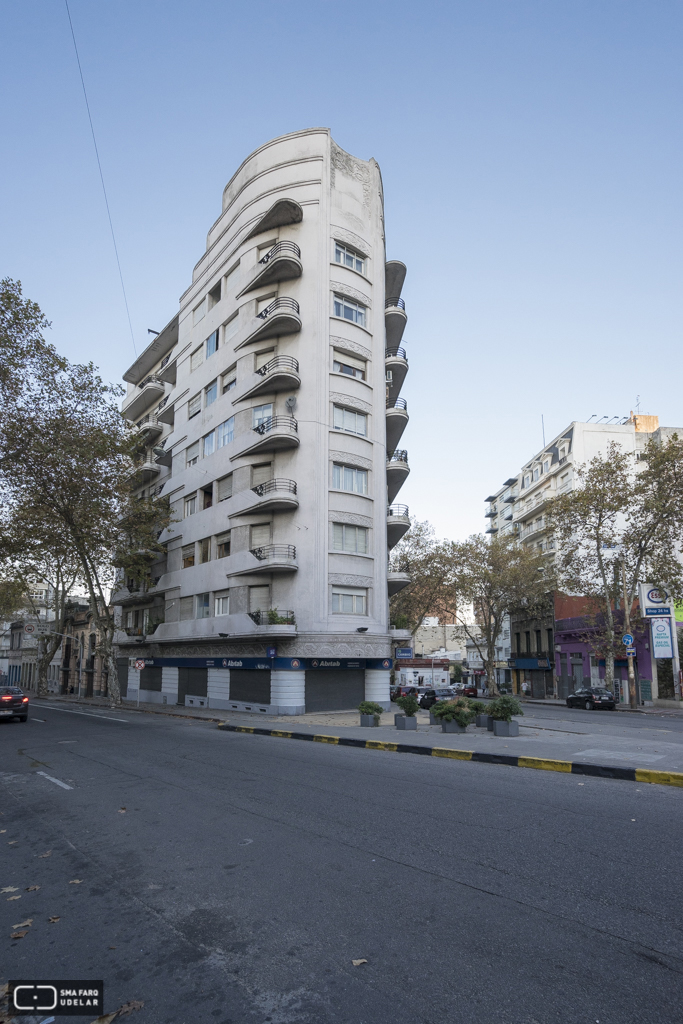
{"points": [[269, 411], [518, 507]]}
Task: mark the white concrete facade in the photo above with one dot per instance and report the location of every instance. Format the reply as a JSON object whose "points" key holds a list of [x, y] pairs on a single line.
{"points": [[271, 397]]}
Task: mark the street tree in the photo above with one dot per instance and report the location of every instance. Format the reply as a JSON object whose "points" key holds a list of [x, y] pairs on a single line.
{"points": [[429, 563], [26, 359]]}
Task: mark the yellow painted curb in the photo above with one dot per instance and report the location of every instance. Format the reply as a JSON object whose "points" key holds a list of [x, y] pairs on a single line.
{"points": [[545, 764], [659, 778], [380, 745], [326, 739], [458, 755]]}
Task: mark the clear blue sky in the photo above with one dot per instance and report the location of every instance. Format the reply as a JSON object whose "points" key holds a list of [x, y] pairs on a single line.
{"points": [[531, 157]]}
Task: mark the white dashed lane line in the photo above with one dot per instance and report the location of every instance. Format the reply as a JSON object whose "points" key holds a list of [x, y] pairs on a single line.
{"points": [[57, 782], [88, 714]]}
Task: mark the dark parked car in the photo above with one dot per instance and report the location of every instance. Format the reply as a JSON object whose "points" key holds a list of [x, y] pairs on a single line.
{"points": [[590, 697], [431, 697], [13, 703]]}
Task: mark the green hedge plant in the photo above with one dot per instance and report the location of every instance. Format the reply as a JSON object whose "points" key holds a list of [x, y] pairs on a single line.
{"points": [[368, 707], [504, 707], [408, 704], [459, 710]]}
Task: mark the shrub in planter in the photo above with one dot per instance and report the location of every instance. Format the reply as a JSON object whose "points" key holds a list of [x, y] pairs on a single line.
{"points": [[479, 707], [370, 713], [501, 711], [454, 715], [409, 705]]}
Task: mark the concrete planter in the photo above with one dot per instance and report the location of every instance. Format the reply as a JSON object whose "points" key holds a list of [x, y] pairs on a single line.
{"points": [[505, 728], [403, 722], [483, 721], [489, 723], [369, 721], [453, 727], [433, 720]]}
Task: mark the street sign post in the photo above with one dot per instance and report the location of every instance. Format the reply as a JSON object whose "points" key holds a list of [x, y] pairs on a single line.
{"points": [[627, 639], [37, 628], [271, 652]]}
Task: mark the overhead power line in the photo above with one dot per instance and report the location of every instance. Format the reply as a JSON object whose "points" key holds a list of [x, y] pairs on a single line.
{"points": [[99, 165]]}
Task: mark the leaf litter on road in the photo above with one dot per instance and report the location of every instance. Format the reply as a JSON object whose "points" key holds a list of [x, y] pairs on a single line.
{"points": [[42, 855], [75, 881], [32, 888], [14, 897], [10, 888], [53, 920], [24, 924], [19, 935], [357, 963], [123, 1011]]}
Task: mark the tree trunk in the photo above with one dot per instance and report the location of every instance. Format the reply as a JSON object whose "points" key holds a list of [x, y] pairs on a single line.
{"points": [[109, 660], [492, 681], [609, 670]]}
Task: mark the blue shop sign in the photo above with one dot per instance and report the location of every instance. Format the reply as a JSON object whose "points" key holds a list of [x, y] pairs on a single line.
{"points": [[291, 664]]}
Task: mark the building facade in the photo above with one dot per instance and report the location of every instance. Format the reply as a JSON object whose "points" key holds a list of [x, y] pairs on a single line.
{"points": [[269, 412]]}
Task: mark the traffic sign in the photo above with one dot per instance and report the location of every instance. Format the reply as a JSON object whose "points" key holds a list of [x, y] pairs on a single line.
{"points": [[627, 639], [139, 664], [29, 627], [271, 652], [630, 652]]}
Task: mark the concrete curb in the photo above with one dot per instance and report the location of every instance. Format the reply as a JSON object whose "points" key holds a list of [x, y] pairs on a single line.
{"points": [[601, 771]]}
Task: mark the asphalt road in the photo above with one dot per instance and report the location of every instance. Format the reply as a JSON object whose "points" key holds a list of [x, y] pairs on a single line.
{"points": [[246, 873]]}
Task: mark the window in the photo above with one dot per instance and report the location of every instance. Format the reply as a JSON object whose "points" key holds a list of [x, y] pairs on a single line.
{"points": [[527, 480], [190, 506], [231, 328], [349, 257], [215, 295], [539, 643], [223, 545], [211, 393], [546, 466], [188, 556], [208, 444], [261, 474], [261, 413], [194, 406], [527, 638], [197, 358], [221, 604], [229, 381], [199, 312], [537, 473], [259, 599], [260, 535], [347, 478], [518, 643], [211, 343], [349, 365], [349, 602], [226, 432], [563, 452], [549, 634], [203, 606], [192, 454], [225, 487], [353, 539], [350, 421], [207, 496], [205, 550], [262, 358], [349, 310], [186, 608]]}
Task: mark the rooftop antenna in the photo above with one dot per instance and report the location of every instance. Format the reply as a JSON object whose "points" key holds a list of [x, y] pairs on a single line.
{"points": [[637, 403], [592, 417], [601, 419], [543, 429]]}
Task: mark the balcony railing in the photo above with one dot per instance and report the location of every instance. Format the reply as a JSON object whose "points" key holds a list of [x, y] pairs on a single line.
{"points": [[532, 528], [279, 363], [397, 403], [401, 455], [399, 511], [281, 248], [162, 403], [397, 352], [277, 423], [280, 484], [273, 617], [165, 360], [395, 302], [277, 304], [152, 379], [275, 552]]}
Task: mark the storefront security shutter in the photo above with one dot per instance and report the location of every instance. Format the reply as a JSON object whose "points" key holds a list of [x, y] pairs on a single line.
{"points": [[250, 686], [192, 681], [334, 689], [122, 673], [150, 678]]}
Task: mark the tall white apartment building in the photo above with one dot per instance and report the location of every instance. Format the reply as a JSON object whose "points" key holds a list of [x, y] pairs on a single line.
{"points": [[270, 413]]}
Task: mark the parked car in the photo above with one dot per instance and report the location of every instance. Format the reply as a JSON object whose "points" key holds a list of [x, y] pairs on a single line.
{"points": [[401, 691], [431, 697], [469, 690], [590, 697], [13, 703]]}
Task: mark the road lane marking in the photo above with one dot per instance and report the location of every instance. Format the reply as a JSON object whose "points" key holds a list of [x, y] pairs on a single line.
{"points": [[88, 714], [57, 782], [38, 720]]}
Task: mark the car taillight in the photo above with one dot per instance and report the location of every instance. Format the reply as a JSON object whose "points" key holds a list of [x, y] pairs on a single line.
{"points": [[6, 698], [24, 700]]}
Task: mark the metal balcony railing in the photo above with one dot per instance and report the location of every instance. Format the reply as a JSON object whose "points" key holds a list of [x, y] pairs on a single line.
{"points": [[400, 511], [400, 303], [279, 248], [273, 617], [277, 423], [397, 403], [152, 379], [398, 352], [279, 363], [274, 552], [280, 484], [162, 403], [278, 304], [165, 360], [398, 456]]}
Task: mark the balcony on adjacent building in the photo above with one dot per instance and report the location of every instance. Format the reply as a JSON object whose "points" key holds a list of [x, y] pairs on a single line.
{"points": [[276, 433], [149, 391], [281, 316], [275, 495], [147, 429], [168, 371], [280, 214], [395, 370], [273, 617], [268, 558], [396, 421], [281, 373], [281, 263], [398, 523], [144, 473], [397, 472], [395, 320], [396, 580], [166, 411], [394, 276]]}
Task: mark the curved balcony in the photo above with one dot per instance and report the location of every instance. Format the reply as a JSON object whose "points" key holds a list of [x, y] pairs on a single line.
{"points": [[397, 472], [394, 276], [166, 411], [281, 263], [147, 430], [396, 581], [150, 390], [281, 373], [281, 316], [269, 558], [275, 434], [273, 617], [396, 368], [397, 421], [395, 320], [398, 524], [144, 473], [281, 213], [272, 496]]}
